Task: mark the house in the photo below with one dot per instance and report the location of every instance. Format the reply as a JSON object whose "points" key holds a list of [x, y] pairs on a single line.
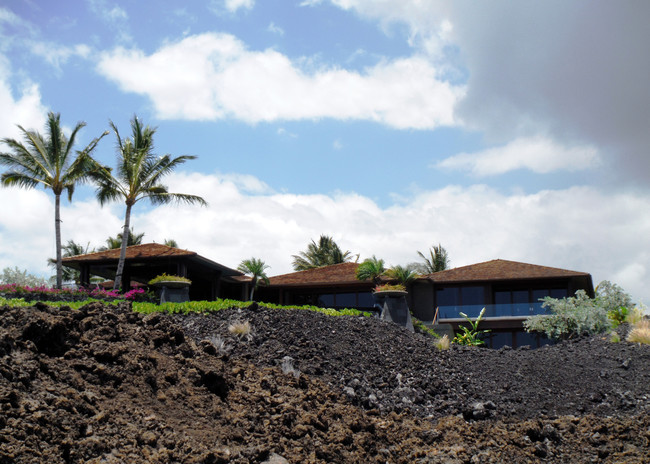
{"points": [[210, 280], [509, 291], [334, 286]]}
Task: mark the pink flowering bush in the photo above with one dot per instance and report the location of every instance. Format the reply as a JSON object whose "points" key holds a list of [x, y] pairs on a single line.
{"points": [[43, 293]]}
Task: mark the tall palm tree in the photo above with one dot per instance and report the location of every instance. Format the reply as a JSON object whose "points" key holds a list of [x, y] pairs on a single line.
{"points": [[324, 253], [256, 268], [116, 242], [51, 162], [139, 173], [438, 260], [371, 269]]}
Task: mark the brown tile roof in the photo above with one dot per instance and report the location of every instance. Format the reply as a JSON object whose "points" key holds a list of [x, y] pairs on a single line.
{"points": [[147, 250], [500, 269], [344, 273]]}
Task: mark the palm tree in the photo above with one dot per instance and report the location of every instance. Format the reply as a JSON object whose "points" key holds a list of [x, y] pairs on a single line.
{"points": [[139, 173], [113, 243], [256, 268], [438, 261], [371, 269], [71, 248], [170, 242], [49, 161], [324, 253], [403, 275]]}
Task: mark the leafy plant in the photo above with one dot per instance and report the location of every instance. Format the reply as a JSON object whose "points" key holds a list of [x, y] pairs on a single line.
{"points": [[403, 275], [371, 269], [471, 336], [640, 333], [256, 268], [570, 317], [438, 260], [168, 278], [390, 288], [21, 277]]}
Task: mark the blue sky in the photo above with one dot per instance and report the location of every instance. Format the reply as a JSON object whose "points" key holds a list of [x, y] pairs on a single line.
{"points": [[514, 130]]}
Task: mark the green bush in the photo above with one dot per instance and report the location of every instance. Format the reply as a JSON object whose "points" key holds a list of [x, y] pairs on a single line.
{"points": [[570, 317]]}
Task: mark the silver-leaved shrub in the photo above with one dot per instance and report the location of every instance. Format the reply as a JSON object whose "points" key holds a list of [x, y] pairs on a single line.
{"points": [[571, 317]]}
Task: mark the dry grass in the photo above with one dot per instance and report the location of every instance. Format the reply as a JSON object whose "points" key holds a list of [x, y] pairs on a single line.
{"points": [[443, 343], [640, 333], [634, 316], [241, 329]]}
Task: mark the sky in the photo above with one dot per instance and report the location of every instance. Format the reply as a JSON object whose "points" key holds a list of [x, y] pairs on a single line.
{"points": [[501, 130]]}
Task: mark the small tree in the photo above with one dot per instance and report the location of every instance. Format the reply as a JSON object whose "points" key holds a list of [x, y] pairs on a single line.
{"points": [[403, 275], [256, 268], [438, 260], [371, 269], [324, 253], [21, 277]]}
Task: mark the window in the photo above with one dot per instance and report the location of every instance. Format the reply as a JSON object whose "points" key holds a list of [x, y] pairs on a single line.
{"points": [[346, 300]]}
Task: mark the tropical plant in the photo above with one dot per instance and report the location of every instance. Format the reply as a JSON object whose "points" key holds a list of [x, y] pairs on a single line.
{"points": [[403, 275], [71, 248], [113, 243], [170, 242], [256, 268], [390, 288], [139, 175], [168, 278], [324, 253], [371, 269], [471, 336], [438, 260], [49, 161]]}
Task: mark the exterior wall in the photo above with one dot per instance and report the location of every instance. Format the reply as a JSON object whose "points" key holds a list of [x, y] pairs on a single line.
{"points": [[421, 301]]}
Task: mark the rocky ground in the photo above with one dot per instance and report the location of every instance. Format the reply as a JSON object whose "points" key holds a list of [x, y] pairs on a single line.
{"points": [[102, 385]]}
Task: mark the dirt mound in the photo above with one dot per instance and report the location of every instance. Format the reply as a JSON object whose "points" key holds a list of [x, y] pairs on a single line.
{"points": [[102, 385]]}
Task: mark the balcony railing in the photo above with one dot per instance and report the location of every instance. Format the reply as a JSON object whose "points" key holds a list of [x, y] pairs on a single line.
{"points": [[496, 310]]}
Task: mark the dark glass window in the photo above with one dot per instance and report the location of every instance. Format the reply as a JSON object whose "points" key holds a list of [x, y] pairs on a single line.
{"points": [[525, 338], [447, 299], [521, 306], [559, 293], [326, 300], [366, 300], [472, 296], [346, 300]]}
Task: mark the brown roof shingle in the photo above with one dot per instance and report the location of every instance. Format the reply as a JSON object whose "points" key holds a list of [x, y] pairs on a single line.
{"points": [[343, 273], [500, 269], [147, 250]]}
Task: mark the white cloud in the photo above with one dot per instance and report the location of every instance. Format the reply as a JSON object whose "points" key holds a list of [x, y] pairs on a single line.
{"points": [[26, 109], [537, 154], [275, 29], [580, 228], [214, 76], [56, 55], [574, 70]]}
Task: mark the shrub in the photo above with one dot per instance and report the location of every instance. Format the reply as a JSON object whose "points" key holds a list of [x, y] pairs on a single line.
{"points": [[570, 317], [241, 329], [640, 333], [168, 278], [443, 343], [390, 288]]}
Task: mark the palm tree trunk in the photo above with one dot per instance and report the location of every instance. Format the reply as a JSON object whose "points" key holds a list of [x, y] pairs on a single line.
{"points": [[57, 233], [125, 240], [253, 285]]}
